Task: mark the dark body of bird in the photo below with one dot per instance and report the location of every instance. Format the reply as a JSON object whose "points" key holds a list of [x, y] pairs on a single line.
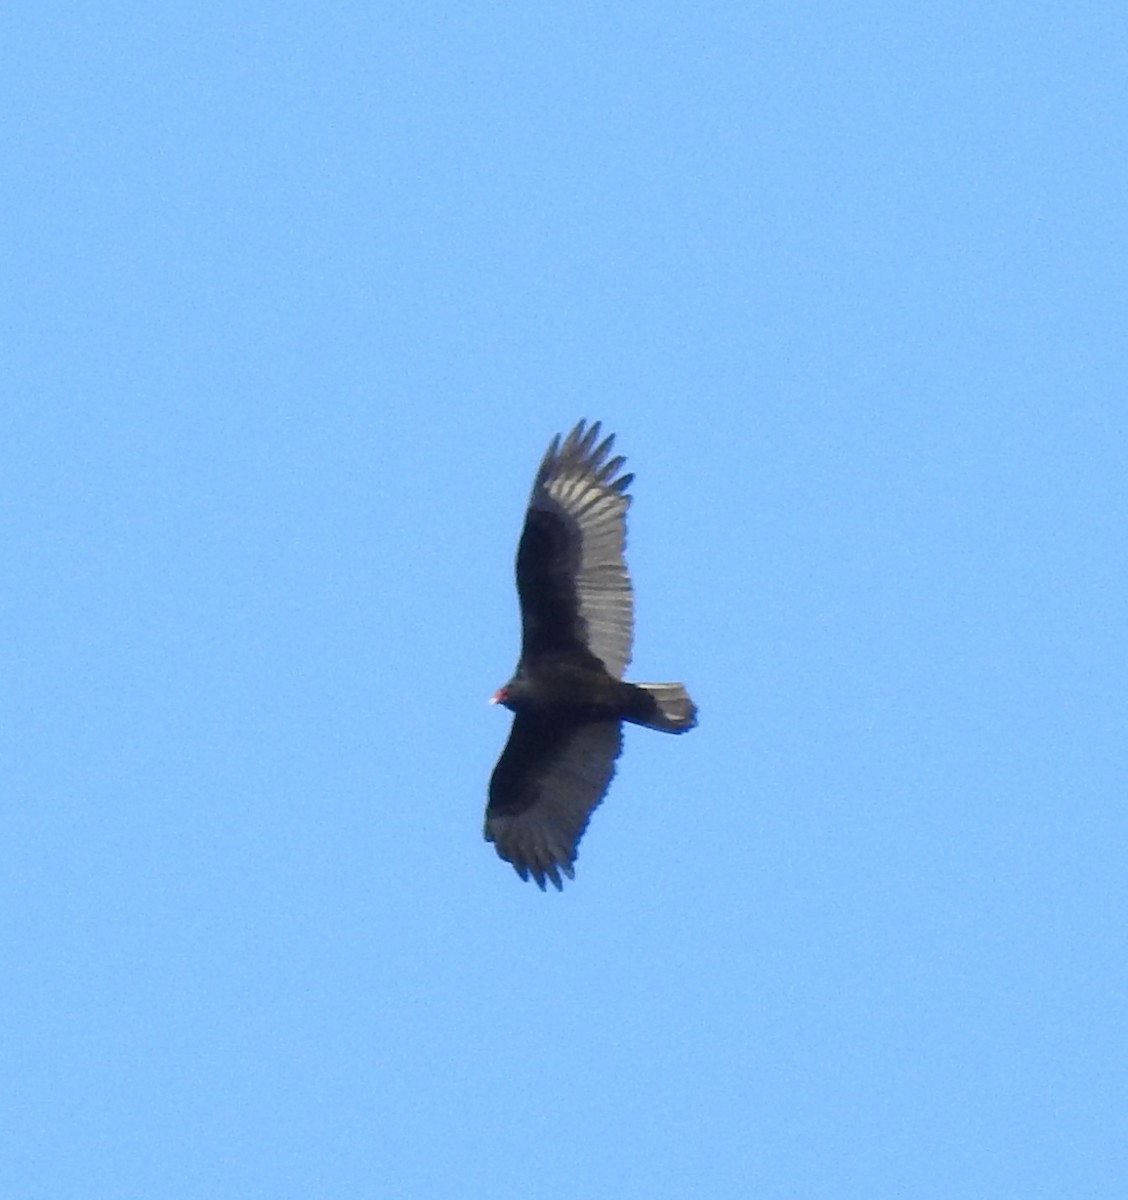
{"points": [[567, 693]]}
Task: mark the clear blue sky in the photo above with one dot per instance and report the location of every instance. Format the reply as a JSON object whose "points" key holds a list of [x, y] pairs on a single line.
{"points": [[294, 297]]}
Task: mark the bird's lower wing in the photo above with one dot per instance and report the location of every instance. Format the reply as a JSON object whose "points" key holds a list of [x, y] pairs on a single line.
{"points": [[549, 780]]}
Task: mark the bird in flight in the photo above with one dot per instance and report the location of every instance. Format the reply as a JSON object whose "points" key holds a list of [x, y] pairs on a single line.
{"points": [[568, 695]]}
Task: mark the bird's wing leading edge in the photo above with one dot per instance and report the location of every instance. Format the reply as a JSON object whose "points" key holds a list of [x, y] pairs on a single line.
{"points": [[550, 778], [571, 576]]}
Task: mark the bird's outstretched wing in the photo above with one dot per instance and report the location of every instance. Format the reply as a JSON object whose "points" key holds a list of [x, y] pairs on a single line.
{"points": [[571, 577], [551, 776]]}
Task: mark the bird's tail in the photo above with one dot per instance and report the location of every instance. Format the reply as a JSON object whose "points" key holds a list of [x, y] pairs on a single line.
{"points": [[672, 710]]}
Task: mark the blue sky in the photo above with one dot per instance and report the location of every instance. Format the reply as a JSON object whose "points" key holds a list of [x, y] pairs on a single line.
{"points": [[295, 297]]}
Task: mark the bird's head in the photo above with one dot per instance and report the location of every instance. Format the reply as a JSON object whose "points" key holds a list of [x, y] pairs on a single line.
{"points": [[501, 696]]}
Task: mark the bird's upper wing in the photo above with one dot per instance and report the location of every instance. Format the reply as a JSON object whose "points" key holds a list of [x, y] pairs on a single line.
{"points": [[571, 577], [551, 776]]}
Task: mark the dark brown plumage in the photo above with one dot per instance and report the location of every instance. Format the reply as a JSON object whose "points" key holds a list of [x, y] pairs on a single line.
{"points": [[568, 694]]}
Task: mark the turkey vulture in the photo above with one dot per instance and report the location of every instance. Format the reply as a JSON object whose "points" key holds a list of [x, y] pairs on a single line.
{"points": [[568, 696]]}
